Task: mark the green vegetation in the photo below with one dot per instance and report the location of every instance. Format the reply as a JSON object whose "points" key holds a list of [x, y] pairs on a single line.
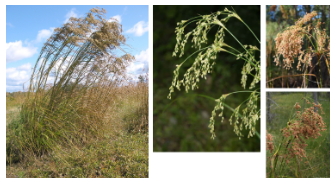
{"points": [[76, 106], [205, 61], [13, 102], [297, 146], [183, 123], [121, 152]]}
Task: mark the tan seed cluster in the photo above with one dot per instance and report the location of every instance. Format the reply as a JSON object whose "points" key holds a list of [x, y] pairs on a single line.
{"points": [[290, 42], [308, 124], [269, 142]]}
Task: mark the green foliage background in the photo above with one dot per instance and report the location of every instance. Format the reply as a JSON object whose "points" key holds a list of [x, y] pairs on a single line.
{"points": [[181, 124]]}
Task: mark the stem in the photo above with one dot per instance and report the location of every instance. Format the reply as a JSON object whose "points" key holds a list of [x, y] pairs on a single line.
{"points": [[241, 92], [275, 156], [189, 22], [194, 53], [287, 79], [223, 26], [231, 47], [321, 83], [240, 43], [306, 82], [281, 164], [311, 41], [270, 71], [328, 67], [250, 31], [211, 98], [237, 40], [295, 167], [282, 75], [241, 57], [258, 135]]}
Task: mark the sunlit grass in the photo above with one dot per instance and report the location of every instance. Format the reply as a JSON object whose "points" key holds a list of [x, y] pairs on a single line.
{"points": [[79, 95], [120, 152]]}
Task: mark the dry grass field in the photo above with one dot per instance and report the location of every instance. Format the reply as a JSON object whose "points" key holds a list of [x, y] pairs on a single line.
{"points": [[120, 150]]}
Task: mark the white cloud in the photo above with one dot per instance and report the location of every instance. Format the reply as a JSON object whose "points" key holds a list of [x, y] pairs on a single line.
{"points": [[26, 67], [135, 68], [70, 14], [142, 58], [139, 66], [15, 51], [16, 77], [44, 34], [139, 29], [116, 17]]}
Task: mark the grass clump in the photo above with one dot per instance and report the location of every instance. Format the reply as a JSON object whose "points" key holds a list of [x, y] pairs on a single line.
{"points": [[74, 87], [70, 85], [301, 147]]}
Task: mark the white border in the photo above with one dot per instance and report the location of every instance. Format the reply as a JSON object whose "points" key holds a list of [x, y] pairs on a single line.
{"points": [[203, 166]]}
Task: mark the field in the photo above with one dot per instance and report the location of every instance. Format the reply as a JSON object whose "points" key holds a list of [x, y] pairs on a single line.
{"points": [[316, 162], [121, 151]]}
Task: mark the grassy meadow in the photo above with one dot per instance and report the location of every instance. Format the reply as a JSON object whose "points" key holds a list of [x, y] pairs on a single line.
{"points": [[316, 162], [121, 151], [80, 115]]}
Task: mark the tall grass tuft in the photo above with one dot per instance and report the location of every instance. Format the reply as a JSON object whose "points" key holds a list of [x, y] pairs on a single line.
{"points": [[72, 85], [301, 147]]}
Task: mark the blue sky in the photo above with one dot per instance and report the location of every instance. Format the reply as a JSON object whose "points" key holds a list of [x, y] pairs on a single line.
{"points": [[28, 27]]}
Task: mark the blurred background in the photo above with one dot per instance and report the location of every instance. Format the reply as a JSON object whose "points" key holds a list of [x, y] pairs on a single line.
{"points": [[181, 124], [278, 18], [280, 108]]}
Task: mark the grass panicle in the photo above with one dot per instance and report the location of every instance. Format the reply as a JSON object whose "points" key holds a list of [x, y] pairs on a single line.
{"points": [[206, 59]]}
